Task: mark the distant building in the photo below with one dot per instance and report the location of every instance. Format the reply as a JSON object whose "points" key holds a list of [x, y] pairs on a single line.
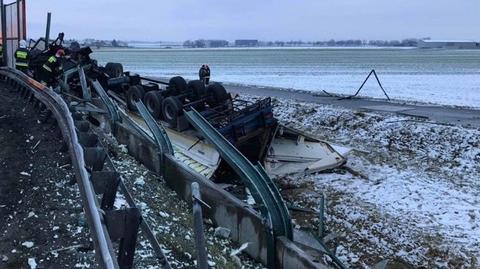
{"points": [[216, 43], [246, 43], [448, 44]]}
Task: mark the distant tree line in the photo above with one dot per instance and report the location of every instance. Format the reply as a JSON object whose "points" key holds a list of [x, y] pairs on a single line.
{"points": [[202, 43], [409, 42], [98, 43]]}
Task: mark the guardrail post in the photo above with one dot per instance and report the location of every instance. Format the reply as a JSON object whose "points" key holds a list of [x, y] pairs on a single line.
{"points": [[202, 258], [86, 93], [106, 183], [321, 217], [94, 157], [123, 224]]}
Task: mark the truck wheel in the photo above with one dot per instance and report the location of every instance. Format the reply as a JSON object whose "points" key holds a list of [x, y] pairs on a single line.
{"points": [[153, 101], [134, 93], [218, 94], [177, 85], [197, 87], [171, 109], [114, 70]]}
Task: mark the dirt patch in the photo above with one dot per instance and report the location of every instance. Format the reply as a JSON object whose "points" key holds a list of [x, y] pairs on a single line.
{"points": [[41, 216]]}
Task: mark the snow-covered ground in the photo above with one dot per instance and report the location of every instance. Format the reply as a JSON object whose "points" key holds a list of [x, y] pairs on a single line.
{"points": [[171, 220], [448, 77], [415, 199]]}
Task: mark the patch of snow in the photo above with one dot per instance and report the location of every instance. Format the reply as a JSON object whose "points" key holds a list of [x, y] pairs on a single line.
{"points": [[123, 148], [140, 181], [27, 244], [420, 194], [235, 252], [32, 263], [222, 232], [250, 199], [164, 214]]}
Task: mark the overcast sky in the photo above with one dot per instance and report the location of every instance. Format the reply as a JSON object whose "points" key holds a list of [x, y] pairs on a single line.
{"points": [[178, 20]]}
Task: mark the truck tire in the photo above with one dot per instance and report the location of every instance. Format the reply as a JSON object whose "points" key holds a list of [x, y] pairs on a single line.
{"points": [[134, 93], [153, 101], [171, 109], [177, 85], [218, 94], [197, 87], [114, 70]]}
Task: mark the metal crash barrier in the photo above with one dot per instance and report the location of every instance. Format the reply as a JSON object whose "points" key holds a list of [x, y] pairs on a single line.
{"points": [[96, 177], [264, 191]]}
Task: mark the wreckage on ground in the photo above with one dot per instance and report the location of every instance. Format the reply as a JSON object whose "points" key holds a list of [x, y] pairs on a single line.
{"points": [[250, 126], [202, 133]]}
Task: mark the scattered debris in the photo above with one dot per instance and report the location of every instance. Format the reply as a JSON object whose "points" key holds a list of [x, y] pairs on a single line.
{"points": [[409, 196], [222, 232], [250, 199]]}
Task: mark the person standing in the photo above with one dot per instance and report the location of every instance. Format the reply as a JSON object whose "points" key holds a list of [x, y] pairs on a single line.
{"points": [[22, 57], [204, 74], [207, 74], [52, 68]]}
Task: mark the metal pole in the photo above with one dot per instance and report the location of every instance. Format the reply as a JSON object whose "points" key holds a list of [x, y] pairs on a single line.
{"points": [[24, 19], [19, 36], [202, 258], [321, 216], [47, 33], [4, 33]]}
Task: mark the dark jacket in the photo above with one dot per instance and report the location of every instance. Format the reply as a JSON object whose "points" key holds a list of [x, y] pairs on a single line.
{"points": [[202, 73], [207, 73], [53, 66]]}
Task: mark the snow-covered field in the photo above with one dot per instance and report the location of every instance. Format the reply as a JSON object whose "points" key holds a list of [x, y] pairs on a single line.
{"points": [[415, 199], [449, 77]]}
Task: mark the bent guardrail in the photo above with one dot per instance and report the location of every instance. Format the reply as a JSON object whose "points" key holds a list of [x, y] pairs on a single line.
{"points": [[102, 243], [272, 207]]}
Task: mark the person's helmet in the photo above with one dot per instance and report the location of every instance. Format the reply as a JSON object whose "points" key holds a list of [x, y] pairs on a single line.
{"points": [[60, 52], [23, 44]]}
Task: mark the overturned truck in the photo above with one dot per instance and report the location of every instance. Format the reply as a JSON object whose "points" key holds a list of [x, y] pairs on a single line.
{"points": [[249, 126], [189, 132]]}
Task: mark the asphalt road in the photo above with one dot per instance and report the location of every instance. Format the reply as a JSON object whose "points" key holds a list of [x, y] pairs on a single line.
{"points": [[442, 114]]}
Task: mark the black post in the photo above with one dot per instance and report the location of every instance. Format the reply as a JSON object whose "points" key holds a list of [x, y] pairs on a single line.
{"points": [[133, 218], [19, 36], [202, 256], [47, 33], [4, 33]]}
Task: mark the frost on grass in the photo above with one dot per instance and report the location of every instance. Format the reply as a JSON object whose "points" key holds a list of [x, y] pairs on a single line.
{"points": [[170, 219], [418, 203]]}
